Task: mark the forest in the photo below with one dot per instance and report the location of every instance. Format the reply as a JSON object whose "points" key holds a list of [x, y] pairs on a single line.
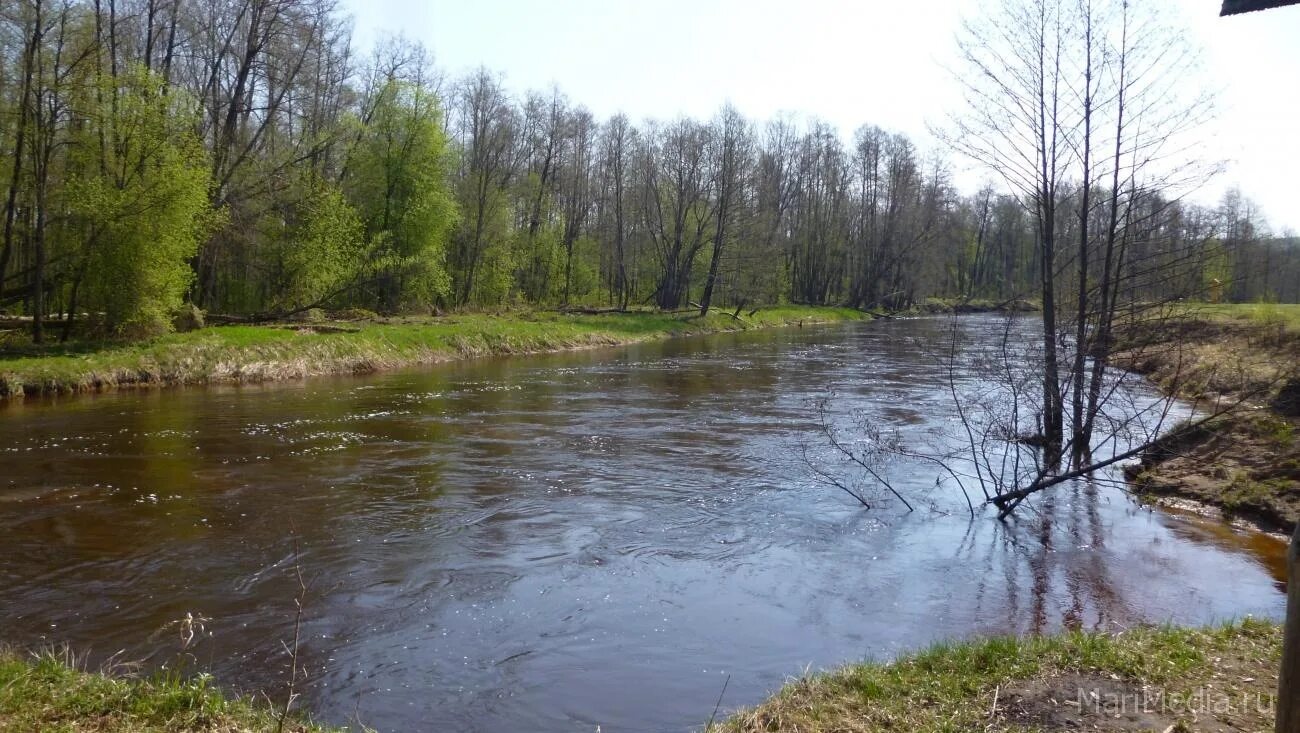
{"points": [[589, 421], [245, 158]]}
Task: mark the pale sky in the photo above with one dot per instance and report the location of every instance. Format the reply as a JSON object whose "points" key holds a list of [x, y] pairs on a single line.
{"points": [[848, 62]]}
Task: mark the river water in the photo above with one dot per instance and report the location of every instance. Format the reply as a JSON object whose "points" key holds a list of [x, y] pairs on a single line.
{"points": [[561, 542]]}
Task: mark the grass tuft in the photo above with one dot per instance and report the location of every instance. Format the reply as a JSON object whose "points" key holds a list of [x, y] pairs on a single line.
{"points": [[1019, 684], [52, 692]]}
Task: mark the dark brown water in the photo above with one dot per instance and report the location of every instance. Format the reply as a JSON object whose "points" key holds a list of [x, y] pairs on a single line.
{"points": [[561, 542]]}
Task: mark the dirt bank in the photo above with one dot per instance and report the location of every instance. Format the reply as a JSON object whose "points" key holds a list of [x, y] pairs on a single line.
{"points": [[1248, 462]]}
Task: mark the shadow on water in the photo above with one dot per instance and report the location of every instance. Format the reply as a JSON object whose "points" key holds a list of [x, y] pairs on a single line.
{"points": [[551, 543]]}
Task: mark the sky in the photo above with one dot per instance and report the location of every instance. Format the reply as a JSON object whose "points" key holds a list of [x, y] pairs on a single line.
{"points": [[848, 62]]}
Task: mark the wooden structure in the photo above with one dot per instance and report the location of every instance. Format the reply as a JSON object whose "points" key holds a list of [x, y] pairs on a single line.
{"points": [[1236, 7], [1288, 683]]}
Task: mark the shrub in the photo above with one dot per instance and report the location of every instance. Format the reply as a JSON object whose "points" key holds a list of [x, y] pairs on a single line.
{"points": [[311, 315], [187, 318]]}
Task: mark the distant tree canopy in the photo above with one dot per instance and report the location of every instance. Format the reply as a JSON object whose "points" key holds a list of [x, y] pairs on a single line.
{"points": [[238, 156]]}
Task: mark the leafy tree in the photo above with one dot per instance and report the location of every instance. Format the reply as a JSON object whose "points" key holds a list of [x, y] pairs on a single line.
{"points": [[400, 185], [326, 255], [144, 204]]}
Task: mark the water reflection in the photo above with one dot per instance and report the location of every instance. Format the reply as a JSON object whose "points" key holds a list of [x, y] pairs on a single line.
{"points": [[559, 542]]}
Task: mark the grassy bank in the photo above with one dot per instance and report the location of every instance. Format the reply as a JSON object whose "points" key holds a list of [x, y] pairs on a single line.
{"points": [[973, 305], [232, 354], [1217, 679], [48, 693], [1247, 463]]}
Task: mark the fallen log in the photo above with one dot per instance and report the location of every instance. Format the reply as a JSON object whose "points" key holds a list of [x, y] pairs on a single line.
{"points": [[589, 311]]}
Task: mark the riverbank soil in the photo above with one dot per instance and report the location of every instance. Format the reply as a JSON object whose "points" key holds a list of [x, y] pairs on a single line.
{"points": [[1208, 680], [49, 693], [1248, 462], [321, 345]]}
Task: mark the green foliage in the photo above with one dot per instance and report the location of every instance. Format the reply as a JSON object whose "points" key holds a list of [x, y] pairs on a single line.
{"points": [[488, 277], [495, 281], [541, 264], [1217, 272], [327, 252], [187, 318], [401, 187], [584, 280], [145, 205]]}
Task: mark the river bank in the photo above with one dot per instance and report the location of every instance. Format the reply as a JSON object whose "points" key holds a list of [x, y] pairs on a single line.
{"points": [[1159, 679], [1222, 678], [282, 351], [1246, 464], [49, 692], [181, 507]]}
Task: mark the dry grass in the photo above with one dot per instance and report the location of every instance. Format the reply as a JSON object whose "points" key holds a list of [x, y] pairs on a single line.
{"points": [[1204, 680], [1207, 357]]}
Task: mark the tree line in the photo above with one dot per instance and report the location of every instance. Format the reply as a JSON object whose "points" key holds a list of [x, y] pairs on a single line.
{"points": [[242, 157]]}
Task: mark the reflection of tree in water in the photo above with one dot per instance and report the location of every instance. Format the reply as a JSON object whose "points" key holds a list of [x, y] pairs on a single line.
{"points": [[1051, 554], [1047, 570]]}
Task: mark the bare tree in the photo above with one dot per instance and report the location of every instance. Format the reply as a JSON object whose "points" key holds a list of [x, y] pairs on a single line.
{"points": [[1043, 80], [34, 30], [616, 145], [676, 205], [487, 132], [576, 191], [730, 143]]}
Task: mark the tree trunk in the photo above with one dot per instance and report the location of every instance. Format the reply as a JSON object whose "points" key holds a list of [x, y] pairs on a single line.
{"points": [[15, 177], [1053, 421], [1288, 682], [1080, 438], [568, 267], [38, 276], [706, 300]]}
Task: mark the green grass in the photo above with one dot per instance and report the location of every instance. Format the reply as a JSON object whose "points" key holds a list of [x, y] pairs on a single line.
{"points": [[1285, 315], [997, 684], [264, 353], [48, 693]]}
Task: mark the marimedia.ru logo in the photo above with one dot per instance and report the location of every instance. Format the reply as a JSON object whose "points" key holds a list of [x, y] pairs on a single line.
{"points": [[1196, 702]]}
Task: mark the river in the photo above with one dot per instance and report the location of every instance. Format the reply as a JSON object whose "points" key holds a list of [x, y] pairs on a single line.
{"points": [[556, 543]]}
